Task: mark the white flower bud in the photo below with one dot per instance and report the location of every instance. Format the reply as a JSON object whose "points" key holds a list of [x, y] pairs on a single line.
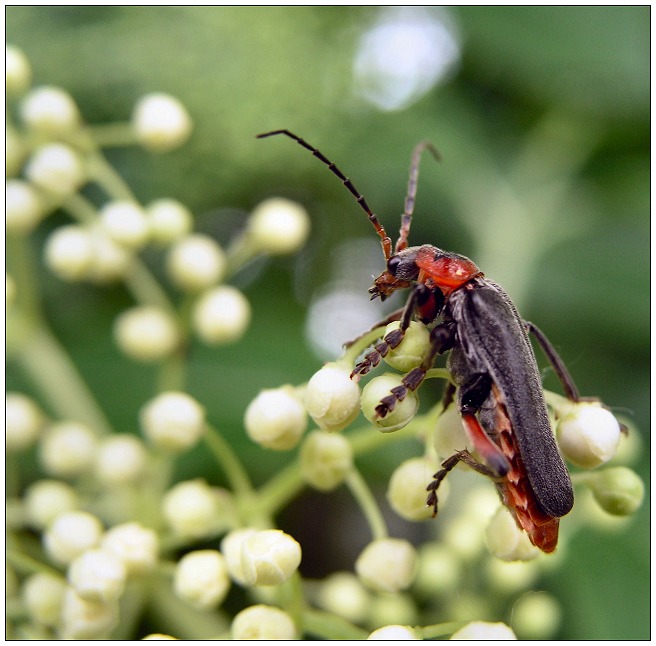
{"points": [[15, 152], [231, 547], [126, 223], [158, 637], [69, 252], [478, 630], [169, 220], [536, 615], [221, 315], [588, 434], [343, 594], [23, 207], [146, 333], [278, 226], [201, 579], [56, 168], [262, 622], [82, 619], [161, 122], [413, 348], [68, 449], [394, 633], [375, 391], [47, 499], [43, 594], [71, 534], [406, 492], [439, 569], [331, 398], [192, 509], [506, 541], [269, 557], [387, 565], [18, 73], [618, 490], [173, 421], [275, 419], [135, 545], [97, 575], [513, 577], [325, 459], [120, 459], [449, 435], [23, 421], [50, 111], [110, 261], [196, 262]]}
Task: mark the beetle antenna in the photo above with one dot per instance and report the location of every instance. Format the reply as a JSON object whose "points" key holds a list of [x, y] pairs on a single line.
{"points": [[409, 206], [385, 239]]}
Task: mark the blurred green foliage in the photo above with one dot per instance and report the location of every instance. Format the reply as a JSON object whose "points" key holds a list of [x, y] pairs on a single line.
{"points": [[544, 134]]}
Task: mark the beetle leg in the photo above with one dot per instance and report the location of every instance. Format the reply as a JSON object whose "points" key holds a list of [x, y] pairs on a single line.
{"points": [[417, 300], [448, 464], [571, 391], [442, 339]]}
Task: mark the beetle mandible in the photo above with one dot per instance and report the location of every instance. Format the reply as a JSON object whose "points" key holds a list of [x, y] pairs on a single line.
{"points": [[491, 360]]}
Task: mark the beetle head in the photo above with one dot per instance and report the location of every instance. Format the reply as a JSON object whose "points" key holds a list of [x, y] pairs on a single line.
{"points": [[401, 272]]}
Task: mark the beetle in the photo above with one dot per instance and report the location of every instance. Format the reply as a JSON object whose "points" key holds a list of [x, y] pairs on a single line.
{"points": [[497, 382]]}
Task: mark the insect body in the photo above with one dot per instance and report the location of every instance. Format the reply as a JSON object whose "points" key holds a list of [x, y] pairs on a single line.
{"points": [[498, 387]]}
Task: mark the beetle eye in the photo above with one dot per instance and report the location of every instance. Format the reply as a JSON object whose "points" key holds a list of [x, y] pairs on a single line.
{"points": [[393, 265]]}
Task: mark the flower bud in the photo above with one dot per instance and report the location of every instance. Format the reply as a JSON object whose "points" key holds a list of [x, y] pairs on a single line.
{"points": [[158, 637], [120, 459], [588, 434], [201, 579], [161, 122], [278, 226], [82, 619], [477, 630], [512, 577], [43, 594], [146, 333], [196, 262], [68, 449], [15, 152], [173, 421], [413, 348], [275, 419], [343, 594], [56, 168], [387, 565], [269, 557], [47, 499], [23, 421], [23, 207], [325, 459], [50, 111], [536, 615], [331, 398], [262, 622], [221, 315], [97, 575], [449, 435], [192, 509], [231, 548], [18, 73], [71, 534], [618, 490], [135, 545], [394, 633], [69, 252], [406, 492], [439, 569], [506, 541], [169, 220], [110, 261], [375, 391], [125, 222]]}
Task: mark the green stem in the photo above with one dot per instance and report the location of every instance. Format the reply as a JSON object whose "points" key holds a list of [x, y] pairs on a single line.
{"points": [[280, 489], [28, 565], [229, 462], [360, 345], [361, 492], [113, 135], [329, 626], [439, 630]]}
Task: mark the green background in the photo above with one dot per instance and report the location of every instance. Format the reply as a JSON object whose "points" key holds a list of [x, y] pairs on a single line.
{"points": [[549, 108]]}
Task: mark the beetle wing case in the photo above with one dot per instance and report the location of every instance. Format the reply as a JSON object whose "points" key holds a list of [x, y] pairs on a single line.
{"points": [[493, 340]]}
